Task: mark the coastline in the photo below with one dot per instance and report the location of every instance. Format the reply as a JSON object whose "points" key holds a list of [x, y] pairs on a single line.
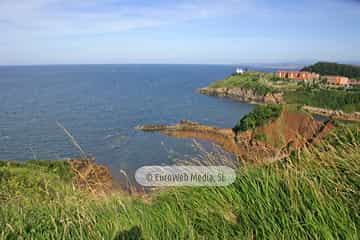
{"points": [[319, 174], [249, 96], [243, 95], [291, 130]]}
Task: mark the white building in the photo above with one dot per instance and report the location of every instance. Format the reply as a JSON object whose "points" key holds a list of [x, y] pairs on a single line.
{"points": [[239, 71]]}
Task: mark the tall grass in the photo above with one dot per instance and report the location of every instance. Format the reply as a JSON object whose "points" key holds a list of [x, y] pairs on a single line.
{"points": [[313, 194]]}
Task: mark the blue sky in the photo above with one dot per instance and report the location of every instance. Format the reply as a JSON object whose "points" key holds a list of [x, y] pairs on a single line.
{"points": [[187, 31]]}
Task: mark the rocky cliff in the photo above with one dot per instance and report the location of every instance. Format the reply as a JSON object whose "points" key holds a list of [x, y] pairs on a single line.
{"points": [[243, 94]]}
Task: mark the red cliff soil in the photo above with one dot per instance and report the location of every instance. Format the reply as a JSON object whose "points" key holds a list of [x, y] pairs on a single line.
{"points": [[292, 127]]}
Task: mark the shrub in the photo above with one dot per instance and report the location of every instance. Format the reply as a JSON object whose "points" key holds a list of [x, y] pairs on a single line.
{"points": [[261, 137], [258, 117], [326, 98], [328, 68]]}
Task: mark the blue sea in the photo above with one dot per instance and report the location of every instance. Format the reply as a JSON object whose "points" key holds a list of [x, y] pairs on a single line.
{"points": [[101, 104]]}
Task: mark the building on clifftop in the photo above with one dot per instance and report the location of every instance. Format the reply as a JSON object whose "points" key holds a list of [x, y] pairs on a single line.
{"points": [[337, 80], [239, 71], [297, 75]]}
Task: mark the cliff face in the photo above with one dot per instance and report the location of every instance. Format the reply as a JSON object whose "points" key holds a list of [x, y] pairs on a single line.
{"points": [[245, 95]]}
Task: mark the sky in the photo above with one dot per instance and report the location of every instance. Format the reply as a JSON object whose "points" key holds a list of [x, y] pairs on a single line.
{"points": [[185, 32]]}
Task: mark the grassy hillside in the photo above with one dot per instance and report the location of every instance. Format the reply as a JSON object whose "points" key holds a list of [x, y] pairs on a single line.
{"points": [[312, 93], [348, 101], [313, 194], [256, 81], [261, 82], [329, 68]]}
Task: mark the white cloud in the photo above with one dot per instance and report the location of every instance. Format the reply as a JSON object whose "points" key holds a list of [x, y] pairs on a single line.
{"points": [[56, 17]]}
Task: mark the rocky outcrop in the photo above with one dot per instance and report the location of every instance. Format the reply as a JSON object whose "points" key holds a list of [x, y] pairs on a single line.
{"points": [[336, 114], [290, 131], [244, 95], [224, 137]]}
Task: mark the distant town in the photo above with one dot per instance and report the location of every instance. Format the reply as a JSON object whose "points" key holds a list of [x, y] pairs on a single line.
{"points": [[335, 80]]}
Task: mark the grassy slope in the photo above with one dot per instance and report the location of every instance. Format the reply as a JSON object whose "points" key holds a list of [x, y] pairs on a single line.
{"points": [[313, 194], [348, 101], [256, 81]]}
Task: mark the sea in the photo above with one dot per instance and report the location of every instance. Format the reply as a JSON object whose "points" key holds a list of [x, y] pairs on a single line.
{"points": [[100, 106]]}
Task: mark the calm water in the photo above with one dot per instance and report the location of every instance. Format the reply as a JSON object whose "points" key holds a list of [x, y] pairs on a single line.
{"points": [[101, 104]]}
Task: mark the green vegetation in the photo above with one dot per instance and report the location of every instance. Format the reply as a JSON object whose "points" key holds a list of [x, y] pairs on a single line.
{"points": [[258, 117], [328, 68], [34, 179], [313, 93], [256, 81], [260, 136], [314, 194], [348, 101], [260, 82]]}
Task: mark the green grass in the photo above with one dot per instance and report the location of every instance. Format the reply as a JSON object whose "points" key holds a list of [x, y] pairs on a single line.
{"points": [[257, 81], [314, 194], [348, 101], [34, 179]]}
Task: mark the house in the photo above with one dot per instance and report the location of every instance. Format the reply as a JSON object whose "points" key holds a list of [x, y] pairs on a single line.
{"points": [[239, 71], [337, 80], [297, 75], [309, 75]]}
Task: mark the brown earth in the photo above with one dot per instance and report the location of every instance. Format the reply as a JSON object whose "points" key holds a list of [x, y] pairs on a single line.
{"points": [[97, 179], [290, 131], [91, 176]]}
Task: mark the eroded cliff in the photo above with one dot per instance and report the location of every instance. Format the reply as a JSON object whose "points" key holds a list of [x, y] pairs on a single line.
{"points": [[243, 94]]}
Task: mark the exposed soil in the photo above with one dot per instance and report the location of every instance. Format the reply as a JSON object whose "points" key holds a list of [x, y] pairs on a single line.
{"points": [[91, 176], [97, 179]]}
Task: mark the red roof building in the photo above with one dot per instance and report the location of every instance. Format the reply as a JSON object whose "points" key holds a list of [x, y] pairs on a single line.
{"points": [[297, 75], [337, 80], [354, 82]]}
